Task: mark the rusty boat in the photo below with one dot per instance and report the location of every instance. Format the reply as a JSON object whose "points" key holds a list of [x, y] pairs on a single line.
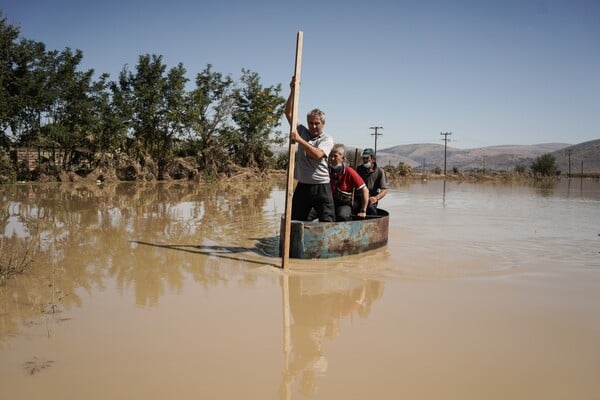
{"points": [[314, 239]]}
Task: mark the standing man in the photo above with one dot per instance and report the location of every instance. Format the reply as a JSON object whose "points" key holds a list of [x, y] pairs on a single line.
{"points": [[375, 180], [311, 169]]}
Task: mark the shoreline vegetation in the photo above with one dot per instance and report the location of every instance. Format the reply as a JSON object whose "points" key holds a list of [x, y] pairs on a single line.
{"points": [[184, 170], [87, 165]]}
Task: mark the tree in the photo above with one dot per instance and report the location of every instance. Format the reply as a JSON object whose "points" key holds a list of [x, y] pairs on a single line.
{"points": [[7, 170], [22, 80], [110, 117], [404, 169], [70, 113], [156, 104], [175, 118], [210, 106], [8, 37], [544, 165], [257, 113], [47, 100]]}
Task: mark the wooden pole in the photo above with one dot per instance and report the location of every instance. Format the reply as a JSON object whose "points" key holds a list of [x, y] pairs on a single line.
{"points": [[291, 157]]}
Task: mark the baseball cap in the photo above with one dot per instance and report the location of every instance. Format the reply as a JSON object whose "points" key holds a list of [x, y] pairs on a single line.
{"points": [[368, 152]]}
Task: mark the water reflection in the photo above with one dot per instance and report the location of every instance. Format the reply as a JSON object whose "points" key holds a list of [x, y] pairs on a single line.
{"points": [[172, 274], [142, 235], [585, 188], [578, 184], [313, 308], [444, 195], [545, 188]]}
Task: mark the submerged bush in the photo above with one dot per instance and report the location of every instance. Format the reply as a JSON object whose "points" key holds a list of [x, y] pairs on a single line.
{"points": [[16, 255]]}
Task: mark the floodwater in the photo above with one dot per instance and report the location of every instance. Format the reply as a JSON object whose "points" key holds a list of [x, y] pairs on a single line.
{"points": [[154, 291]]}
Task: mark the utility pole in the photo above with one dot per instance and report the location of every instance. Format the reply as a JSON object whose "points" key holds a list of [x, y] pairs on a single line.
{"points": [[376, 135], [569, 163], [446, 140]]}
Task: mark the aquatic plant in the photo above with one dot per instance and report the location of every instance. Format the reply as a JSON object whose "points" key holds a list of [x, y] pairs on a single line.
{"points": [[36, 365]]}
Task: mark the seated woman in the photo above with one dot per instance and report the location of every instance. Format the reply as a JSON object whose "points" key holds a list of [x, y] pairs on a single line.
{"points": [[344, 181]]}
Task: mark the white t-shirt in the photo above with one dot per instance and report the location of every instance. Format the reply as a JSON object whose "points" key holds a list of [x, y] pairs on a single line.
{"points": [[309, 170]]}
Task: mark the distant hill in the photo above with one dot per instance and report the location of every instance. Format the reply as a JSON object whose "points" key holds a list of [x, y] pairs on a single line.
{"points": [[588, 152], [505, 157]]}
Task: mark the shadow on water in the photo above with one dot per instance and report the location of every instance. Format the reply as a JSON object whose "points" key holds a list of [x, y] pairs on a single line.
{"points": [[263, 247], [267, 246]]}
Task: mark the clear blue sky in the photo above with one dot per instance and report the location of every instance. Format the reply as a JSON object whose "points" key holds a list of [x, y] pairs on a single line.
{"points": [[490, 72]]}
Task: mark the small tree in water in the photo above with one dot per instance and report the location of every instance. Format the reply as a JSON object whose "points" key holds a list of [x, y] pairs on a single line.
{"points": [[404, 169], [544, 165]]}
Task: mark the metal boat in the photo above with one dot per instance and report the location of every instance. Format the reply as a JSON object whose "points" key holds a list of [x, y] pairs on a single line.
{"points": [[314, 239]]}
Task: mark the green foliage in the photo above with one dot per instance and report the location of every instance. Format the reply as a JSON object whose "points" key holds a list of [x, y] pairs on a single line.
{"points": [[23, 83], [282, 161], [257, 113], [8, 45], [7, 170], [156, 104], [404, 169], [210, 107], [110, 124], [47, 101], [143, 93], [544, 165]]}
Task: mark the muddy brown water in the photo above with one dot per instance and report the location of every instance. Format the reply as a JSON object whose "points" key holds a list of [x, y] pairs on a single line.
{"points": [[154, 291]]}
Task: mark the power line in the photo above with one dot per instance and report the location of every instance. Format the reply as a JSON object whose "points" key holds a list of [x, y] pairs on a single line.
{"points": [[376, 135], [446, 140]]}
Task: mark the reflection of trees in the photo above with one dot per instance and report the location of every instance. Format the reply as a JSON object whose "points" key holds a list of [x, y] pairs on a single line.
{"points": [[544, 187], [316, 306], [88, 233]]}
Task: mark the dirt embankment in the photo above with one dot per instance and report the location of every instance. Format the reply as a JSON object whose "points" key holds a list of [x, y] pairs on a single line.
{"points": [[108, 168]]}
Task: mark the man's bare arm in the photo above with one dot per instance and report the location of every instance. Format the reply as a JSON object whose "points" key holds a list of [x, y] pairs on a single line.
{"points": [[289, 105]]}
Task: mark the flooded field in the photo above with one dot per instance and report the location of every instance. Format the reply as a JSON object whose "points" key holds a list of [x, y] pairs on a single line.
{"points": [[154, 291]]}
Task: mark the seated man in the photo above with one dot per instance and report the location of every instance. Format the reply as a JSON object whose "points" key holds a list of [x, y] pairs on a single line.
{"points": [[375, 180], [344, 181]]}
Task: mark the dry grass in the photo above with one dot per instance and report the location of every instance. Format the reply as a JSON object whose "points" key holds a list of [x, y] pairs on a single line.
{"points": [[16, 255]]}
